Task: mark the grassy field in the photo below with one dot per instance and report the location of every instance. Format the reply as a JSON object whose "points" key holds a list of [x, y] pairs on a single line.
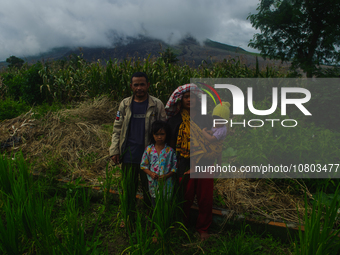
{"points": [[59, 116]]}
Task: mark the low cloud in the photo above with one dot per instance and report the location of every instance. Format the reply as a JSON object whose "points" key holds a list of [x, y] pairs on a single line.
{"points": [[35, 26]]}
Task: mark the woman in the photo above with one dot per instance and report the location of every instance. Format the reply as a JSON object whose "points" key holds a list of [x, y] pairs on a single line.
{"points": [[184, 118]]}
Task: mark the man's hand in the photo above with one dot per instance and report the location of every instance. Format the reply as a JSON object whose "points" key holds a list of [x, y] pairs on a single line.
{"points": [[115, 159]]}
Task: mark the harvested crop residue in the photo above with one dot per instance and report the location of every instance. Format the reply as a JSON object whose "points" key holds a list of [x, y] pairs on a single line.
{"points": [[262, 197], [72, 142]]}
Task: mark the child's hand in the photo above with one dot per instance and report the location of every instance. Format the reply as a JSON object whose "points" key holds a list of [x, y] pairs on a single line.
{"points": [[162, 177], [154, 176]]}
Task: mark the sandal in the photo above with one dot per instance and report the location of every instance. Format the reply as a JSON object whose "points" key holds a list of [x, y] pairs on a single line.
{"points": [[122, 224]]}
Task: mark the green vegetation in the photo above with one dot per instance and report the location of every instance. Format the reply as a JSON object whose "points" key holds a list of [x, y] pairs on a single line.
{"points": [[304, 32], [75, 79], [224, 46], [319, 235], [69, 219], [14, 61], [10, 108], [40, 217]]}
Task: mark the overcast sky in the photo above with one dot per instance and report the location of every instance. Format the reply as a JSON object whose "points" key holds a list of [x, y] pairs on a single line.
{"points": [[29, 27]]}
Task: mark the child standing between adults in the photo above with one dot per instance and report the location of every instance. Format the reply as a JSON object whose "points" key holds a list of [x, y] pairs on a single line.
{"points": [[159, 160]]}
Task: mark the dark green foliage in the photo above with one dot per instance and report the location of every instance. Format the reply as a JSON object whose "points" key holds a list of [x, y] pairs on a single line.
{"points": [[27, 223], [169, 57], [12, 82], [25, 84], [304, 32], [10, 109], [15, 62], [75, 79], [319, 235], [30, 89]]}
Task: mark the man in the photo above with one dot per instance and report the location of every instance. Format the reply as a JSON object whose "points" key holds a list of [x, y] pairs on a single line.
{"points": [[131, 130]]}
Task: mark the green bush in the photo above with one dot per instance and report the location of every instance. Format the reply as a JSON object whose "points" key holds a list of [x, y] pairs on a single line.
{"points": [[25, 84], [10, 109], [30, 88]]}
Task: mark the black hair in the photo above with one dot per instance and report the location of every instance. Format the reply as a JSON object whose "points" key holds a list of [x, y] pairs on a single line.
{"points": [[158, 125], [140, 74]]}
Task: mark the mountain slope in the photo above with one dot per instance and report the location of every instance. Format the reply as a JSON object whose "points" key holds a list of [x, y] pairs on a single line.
{"points": [[188, 51]]}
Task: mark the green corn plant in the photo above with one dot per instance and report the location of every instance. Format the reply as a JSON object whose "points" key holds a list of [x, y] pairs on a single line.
{"points": [[127, 198], [7, 175], [107, 183], [240, 244], [37, 221], [25, 204], [141, 239], [11, 240], [85, 198], [320, 235], [164, 215], [74, 241]]}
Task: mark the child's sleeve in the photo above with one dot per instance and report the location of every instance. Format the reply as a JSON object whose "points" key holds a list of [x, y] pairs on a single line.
{"points": [[145, 159], [220, 133]]}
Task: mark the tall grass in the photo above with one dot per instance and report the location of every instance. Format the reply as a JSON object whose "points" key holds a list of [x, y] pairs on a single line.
{"points": [[320, 235], [164, 216], [27, 216], [127, 195], [25, 205]]}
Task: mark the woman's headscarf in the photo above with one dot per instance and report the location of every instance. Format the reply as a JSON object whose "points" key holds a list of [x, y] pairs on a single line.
{"points": [[172, 106], [200, 146]]}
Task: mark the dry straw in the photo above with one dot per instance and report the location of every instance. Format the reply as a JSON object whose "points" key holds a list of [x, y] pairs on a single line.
{"points": [[75, 141], [261, 197]]}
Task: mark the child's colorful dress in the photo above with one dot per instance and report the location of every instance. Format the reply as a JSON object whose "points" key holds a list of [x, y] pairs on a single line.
{"points": [[160, 164]]}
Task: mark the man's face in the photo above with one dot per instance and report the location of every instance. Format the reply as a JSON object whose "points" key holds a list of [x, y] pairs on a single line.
{"points": [[139, 87]]}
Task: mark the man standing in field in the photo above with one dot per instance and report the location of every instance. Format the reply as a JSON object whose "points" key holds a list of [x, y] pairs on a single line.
{"points": [[131, 130]]}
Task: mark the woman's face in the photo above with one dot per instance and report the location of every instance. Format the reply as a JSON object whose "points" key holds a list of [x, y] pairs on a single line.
{"points": [[187, 101]]}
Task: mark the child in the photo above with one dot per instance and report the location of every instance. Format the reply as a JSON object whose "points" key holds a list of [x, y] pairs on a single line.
{"points": [[219, 132], [159, 159]]}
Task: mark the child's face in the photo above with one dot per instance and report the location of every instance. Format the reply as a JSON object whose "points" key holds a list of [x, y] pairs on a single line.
{"points": [[160, 136]]}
